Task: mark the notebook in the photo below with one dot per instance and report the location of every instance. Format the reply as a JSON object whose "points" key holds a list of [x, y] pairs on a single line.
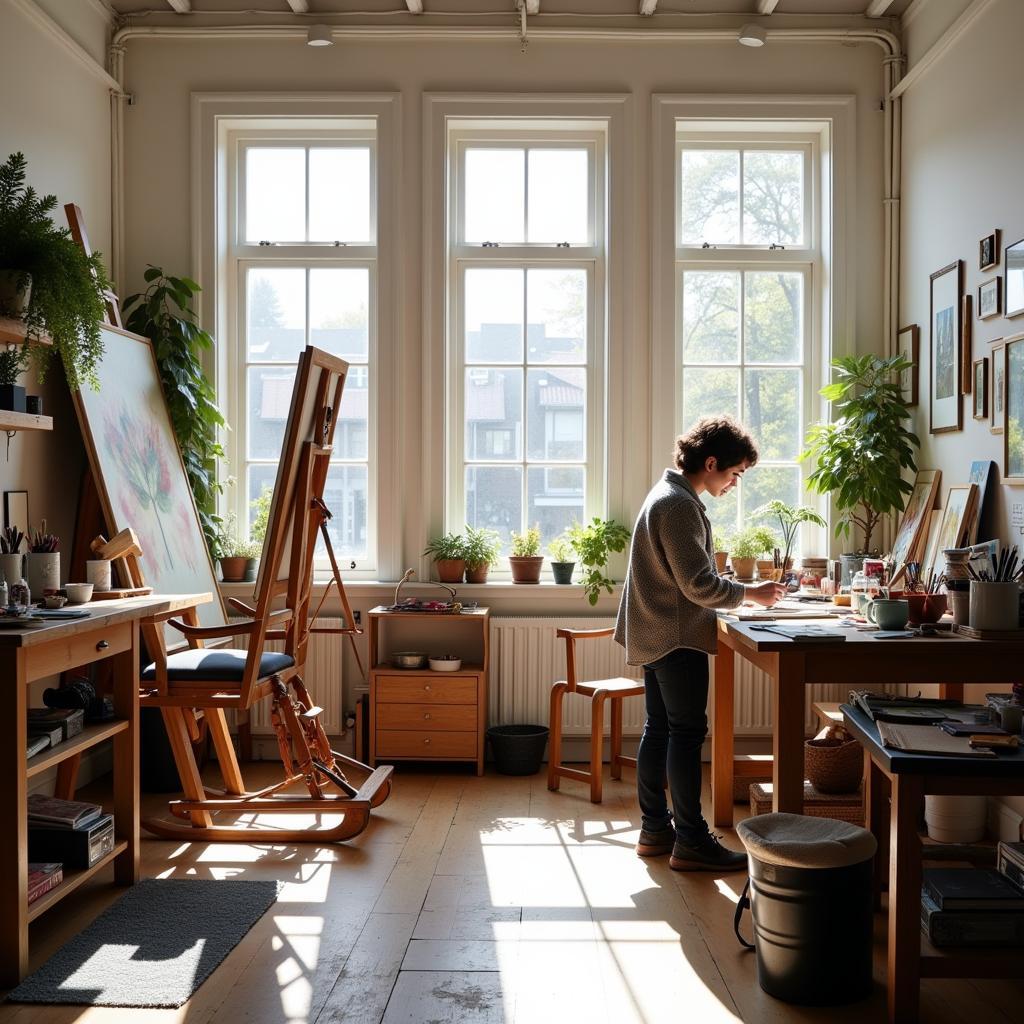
{"points": [[927, 739]]}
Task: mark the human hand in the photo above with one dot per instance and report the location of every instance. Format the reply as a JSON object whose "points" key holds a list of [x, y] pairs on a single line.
{"points": [[766, 594]]}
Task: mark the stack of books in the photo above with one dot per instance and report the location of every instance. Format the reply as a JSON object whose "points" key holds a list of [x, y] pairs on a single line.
{"points": [[1010, 862], [971, 907], [75, 833], [52, 725], [43, 877]]}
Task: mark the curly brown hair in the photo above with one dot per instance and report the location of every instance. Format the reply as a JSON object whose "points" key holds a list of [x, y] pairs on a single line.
{"points": [[718, 437]]}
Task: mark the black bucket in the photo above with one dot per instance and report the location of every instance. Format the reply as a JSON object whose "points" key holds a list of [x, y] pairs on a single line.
{"points": [[518, 749], [813, 930]]}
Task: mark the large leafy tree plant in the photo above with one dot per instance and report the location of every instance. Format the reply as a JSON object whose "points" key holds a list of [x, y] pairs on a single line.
{"points": [[861, 456], [164, 314]]}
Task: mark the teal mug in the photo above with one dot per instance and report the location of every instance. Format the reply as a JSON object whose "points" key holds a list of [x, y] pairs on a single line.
{"points": [[888, 613]]}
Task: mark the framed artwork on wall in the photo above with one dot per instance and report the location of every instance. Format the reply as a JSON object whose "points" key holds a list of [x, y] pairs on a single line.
{"points": [[990, 295], [1013, 435], [988, 251], [16, 510], [980, 386], [908, 345], [945, 411], [998, 389], [1013, 278]]}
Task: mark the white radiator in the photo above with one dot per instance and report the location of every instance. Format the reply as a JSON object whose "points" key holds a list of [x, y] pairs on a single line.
{"points": [[322, 678], [527, 658]]}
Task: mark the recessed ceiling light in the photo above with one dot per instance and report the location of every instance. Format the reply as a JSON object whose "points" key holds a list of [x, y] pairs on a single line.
{"points": [[319, 35], [752, 35]]}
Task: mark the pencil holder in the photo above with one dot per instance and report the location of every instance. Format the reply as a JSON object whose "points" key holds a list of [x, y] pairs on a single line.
{"points": [[994, 605]]}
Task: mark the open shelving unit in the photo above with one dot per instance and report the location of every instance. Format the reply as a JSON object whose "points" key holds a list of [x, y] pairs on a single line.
{"points": [[12, 332]]}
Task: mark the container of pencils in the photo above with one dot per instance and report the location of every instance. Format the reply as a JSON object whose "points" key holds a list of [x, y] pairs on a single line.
{"points": [[994, 605]]}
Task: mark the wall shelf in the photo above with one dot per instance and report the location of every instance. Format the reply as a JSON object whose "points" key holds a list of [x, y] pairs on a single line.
{"points": [[12, 332], [24, 421]]}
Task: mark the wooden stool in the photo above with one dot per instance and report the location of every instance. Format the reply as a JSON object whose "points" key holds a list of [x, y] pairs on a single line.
{"points": [[598, 691]]}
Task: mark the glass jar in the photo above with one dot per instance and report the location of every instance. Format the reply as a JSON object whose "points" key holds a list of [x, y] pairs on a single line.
{"points": [[20, 596]]}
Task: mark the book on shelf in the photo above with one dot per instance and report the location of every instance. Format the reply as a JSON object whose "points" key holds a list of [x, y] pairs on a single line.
{"points": [[37, 744], [1010, 862], [53, 734], [71, 721], [971, 927], [52, 812], [971, 889], [42, 877]]}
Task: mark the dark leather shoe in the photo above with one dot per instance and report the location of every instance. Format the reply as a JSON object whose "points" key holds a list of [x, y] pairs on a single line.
{"points": [[655, 844], [706, 854]]}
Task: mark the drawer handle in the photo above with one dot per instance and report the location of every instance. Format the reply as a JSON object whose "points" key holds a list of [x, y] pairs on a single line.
{"points": [[427, 740], [102, 645], [426, 717], [426, 687]]}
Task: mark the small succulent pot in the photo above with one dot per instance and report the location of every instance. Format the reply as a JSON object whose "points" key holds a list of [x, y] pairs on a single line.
{"points": [[477, 573], [42, 571], [526, 568], [232, 568], [721, 560], [450, 570], [562, 571], [744, 567]]}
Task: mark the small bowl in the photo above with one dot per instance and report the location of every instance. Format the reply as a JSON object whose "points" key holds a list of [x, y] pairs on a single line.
{"points": [[409, 659], [445, 663], [55, 600], [78, 593]]}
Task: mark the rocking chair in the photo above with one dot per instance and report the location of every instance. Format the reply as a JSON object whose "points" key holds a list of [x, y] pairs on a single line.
{"points": [[209, 681]]}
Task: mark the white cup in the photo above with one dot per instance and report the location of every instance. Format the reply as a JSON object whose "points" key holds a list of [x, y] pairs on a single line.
{"points": [[97, 572], [994, 605]]}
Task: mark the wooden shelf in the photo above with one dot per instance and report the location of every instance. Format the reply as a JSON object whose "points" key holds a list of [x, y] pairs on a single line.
{"points": [[12, 332], [72, 880], [24, 421], [88, 737], [970, 961]]}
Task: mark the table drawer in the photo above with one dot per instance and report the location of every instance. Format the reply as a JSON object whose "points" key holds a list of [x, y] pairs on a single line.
{"points": [[427, 717], [81, 649], [409, 743], [425, 690]]}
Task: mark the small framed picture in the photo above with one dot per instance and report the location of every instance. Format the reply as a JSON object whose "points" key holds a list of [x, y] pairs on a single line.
{"points": [[990, 295], [980, 390], [945, 407], [908, 345], [997, 400], [988, 251], [1013, 279]]}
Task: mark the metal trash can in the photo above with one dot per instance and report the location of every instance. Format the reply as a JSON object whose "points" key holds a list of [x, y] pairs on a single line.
{"points": [[811, 902]]}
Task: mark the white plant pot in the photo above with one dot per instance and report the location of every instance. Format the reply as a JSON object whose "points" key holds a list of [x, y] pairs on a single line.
{"points": [[955, 819], [42, 572], [11, 568]]}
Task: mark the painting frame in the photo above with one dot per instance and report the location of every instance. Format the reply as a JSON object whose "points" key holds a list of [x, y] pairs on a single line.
{"points": [[912, 535], [1013, 279], [990, 298], [955, 523], [988, 251], [1013, 440], [139, 473], [979, 393], [908, 345], [966, 342], [945, 408], [997, 393], [16, 511]]}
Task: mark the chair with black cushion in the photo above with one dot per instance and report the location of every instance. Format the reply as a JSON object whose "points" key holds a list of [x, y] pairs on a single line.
{"points": [[598, 691], [210, 681]]}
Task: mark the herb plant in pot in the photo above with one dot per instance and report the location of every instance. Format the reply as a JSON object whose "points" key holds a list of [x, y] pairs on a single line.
{"points": [[13, 363], [480, 550], [861, 456], [790, 519], [238, 557], [563, 560], [595, 543], [721, 541], [449, 552], [747, 547], [526, 560]]}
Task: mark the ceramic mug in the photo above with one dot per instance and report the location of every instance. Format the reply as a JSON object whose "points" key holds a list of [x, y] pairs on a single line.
{"points": [[97, 572], [887, 613], [863, 599]]}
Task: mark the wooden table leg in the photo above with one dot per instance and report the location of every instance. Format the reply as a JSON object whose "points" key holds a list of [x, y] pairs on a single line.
{"points": [[951, 691], [876, 817], [14, 835], [788, 735], [904, 970], [722, 748], [126, 761]]}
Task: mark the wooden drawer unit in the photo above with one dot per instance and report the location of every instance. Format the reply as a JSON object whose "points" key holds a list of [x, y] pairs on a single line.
{"points": [[80, 649], [420, 715]]}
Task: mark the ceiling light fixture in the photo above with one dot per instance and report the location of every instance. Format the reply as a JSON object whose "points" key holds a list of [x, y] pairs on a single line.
{"points": [[752, 35], [319, 35]]}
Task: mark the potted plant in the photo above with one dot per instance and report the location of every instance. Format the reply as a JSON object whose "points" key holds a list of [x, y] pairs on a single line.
{"points": [[563, 561], [720, 541], [480, 550], [11, 558], [13, 363], [526, 560], [747, 547], [238, 558], [42, 562], [594, 543], [163, 313], [791, 518], [861, 457], [448, 551], [50, 282]]}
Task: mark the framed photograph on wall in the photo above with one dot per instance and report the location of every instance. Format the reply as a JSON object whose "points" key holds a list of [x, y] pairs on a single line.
{"points": [[988, 251], [908, 345], [1013, 435], [998, 389], [980, 388], [990, 295], [945, 410], [1013, 279]]}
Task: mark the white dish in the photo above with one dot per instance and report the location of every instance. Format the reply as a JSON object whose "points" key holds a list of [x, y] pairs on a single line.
{"points": [[78, 593], [445, 664]]}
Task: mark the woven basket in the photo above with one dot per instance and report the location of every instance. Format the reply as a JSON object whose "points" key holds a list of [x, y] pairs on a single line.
{"points": [[835, 763]]}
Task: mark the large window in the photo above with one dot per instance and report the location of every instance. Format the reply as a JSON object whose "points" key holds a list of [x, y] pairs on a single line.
{"points": [[748, 280], [303, 268], [526, 327]]}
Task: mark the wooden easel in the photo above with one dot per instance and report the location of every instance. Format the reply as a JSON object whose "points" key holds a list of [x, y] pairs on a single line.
{"points": [[124, 552]]}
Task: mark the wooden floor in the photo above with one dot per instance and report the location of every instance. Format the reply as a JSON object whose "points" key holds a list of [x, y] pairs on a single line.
{"points": [[483, 900]]}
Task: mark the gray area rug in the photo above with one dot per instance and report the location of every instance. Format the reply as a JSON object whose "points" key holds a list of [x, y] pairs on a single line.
{"points": [[154, 947]]}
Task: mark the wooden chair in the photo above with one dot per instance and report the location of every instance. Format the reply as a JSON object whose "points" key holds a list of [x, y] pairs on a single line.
{"points": [[209, 681], [599, 691]]}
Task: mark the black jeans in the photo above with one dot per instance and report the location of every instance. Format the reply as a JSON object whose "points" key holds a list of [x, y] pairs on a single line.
{"points": [[676, 696]]}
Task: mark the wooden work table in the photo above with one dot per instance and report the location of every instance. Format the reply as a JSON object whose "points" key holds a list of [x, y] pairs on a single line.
{"points": [[860, 661], [110, 632]]}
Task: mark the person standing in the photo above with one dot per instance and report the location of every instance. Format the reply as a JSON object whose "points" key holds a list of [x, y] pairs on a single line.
{"points": [[667, 623]]}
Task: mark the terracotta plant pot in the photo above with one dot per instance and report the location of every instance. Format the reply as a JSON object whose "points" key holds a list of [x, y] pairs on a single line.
{"points": [[526, 569], [765, 568], [721, 560], [450, 570], [477, 573], [744, 567], [233, 569]]}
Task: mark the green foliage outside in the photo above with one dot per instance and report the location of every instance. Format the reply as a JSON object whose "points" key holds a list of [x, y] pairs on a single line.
{"points": [[164, 314], [481, 547], [753, 542], [594, 543], [527, 543], [66, 300], [261, 506]]}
